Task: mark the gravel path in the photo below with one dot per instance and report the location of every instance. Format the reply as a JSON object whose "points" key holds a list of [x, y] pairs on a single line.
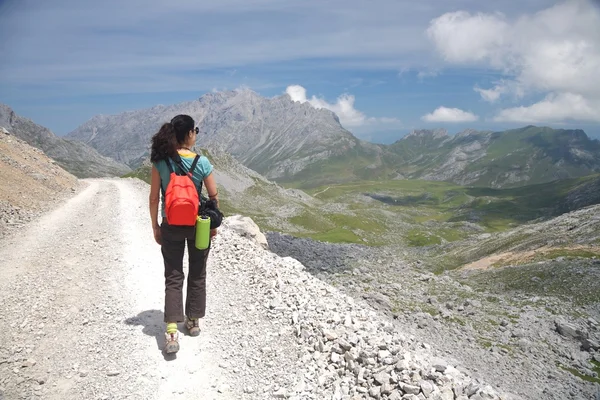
{"points": [[81, 297], [81, 294]]}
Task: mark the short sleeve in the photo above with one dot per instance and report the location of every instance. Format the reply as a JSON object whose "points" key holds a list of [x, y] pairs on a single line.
{"points": [[205, 166]]}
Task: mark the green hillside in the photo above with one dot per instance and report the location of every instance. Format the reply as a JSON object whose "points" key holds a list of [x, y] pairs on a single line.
{"points": [[412, 213], [513, 158]]}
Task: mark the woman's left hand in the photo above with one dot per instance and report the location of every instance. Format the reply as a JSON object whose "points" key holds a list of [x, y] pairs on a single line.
{"points": [[213, 232]]}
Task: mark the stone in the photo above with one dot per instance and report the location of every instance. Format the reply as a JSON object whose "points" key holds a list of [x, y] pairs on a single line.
{"points": [[381, 378], [589, 344], [29, 363], [246, 227], [395, 395], [375, 391], [569, 330], [440, 365], [427, 387], [330, 335], [411, 389]]}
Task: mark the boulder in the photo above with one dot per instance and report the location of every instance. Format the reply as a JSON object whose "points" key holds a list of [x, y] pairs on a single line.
{"points": [[246, 227]]}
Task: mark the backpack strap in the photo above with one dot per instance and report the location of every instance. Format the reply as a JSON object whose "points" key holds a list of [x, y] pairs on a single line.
{"points": [[193, 167], [180, 165]]}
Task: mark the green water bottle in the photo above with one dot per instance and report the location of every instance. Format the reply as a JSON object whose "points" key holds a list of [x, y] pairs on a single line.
{"points": [[202, 232]]}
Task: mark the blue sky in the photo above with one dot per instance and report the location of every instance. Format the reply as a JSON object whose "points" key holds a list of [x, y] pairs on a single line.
{"points": [[385, 66]]}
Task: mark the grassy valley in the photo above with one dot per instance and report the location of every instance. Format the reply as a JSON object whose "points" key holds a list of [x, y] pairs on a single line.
{"points": [[432, 213]]}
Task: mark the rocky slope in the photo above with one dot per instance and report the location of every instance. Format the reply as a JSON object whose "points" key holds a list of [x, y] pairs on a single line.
{"points": [[77, 158], [534, 344], [272, 329], [30, 182]]}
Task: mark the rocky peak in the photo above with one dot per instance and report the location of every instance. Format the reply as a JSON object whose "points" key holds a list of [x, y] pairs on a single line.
{"points": [[467, 132], [428, 133]]}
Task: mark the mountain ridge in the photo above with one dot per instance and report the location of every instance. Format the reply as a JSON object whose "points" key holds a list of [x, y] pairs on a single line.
{"points": [[298, 145], [75, 157]]}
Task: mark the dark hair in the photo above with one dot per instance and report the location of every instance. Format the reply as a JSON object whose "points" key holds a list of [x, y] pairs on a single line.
{"points": [[170, 136]]}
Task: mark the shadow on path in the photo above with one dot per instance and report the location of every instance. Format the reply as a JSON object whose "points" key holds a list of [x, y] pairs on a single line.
{"points": [[153, 325]]}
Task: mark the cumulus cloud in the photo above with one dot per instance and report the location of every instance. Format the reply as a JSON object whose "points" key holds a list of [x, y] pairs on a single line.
{"points": [[343, 107], [445, 114], [462, 37], [554, 52], [554, 108]]}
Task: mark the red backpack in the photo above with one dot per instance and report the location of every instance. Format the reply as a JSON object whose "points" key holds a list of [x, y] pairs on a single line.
{"points": [[181, 197]]}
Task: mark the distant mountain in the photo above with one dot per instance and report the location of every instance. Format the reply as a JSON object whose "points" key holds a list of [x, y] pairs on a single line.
{"points": [[78, 158], [295, 144], [518, 157], [277, 137]]}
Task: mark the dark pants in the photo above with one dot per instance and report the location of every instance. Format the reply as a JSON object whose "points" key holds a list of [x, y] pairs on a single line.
{"points": [[174, 239]]}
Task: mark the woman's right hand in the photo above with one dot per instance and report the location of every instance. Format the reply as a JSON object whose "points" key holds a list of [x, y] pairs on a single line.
{"points": [[157, 235]]}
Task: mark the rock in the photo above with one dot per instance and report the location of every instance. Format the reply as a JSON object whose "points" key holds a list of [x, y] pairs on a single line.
{"points": [[524, 344], [440, 365], [281, 394], [344, 344], [387, 388], [589, 344], [28, 364], [381, 378], [569, 330], [375, 391], [411, 389], [113, 373], [427, 388], [410, 396], [223, 388], [395, 395], [330, 335], [246, 227]]}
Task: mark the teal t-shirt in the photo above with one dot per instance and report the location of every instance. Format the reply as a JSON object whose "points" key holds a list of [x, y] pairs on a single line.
{"points": [[202, 170]]}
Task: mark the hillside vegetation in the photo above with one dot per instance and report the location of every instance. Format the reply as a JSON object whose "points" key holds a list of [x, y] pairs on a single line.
{"points": [[412, 213]]}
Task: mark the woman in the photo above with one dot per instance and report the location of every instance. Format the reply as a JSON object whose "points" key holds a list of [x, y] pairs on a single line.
{"points": [[173, 144]]}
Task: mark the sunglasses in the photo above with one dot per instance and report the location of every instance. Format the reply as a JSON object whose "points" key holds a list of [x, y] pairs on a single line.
{"points": [[196, 129]]}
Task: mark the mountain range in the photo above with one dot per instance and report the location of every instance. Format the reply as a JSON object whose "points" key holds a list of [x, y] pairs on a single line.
{"points": [[296, 144], [74, 156]]}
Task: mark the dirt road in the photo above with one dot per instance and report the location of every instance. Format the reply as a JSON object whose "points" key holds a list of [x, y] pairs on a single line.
{"points": [[81, 299]]}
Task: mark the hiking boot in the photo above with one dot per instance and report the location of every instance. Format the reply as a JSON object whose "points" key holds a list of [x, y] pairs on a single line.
{"points": [[172, 345], [193, 326]]}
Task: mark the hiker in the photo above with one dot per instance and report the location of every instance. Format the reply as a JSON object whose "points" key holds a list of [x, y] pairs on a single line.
{"points": [[171, 151]]}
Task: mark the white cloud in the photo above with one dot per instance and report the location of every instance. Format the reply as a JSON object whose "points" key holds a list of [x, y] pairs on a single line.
{"points": [[461, 37], [445, 114], [554, 52], [493, 94], [343, 108], [554, 108]]}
